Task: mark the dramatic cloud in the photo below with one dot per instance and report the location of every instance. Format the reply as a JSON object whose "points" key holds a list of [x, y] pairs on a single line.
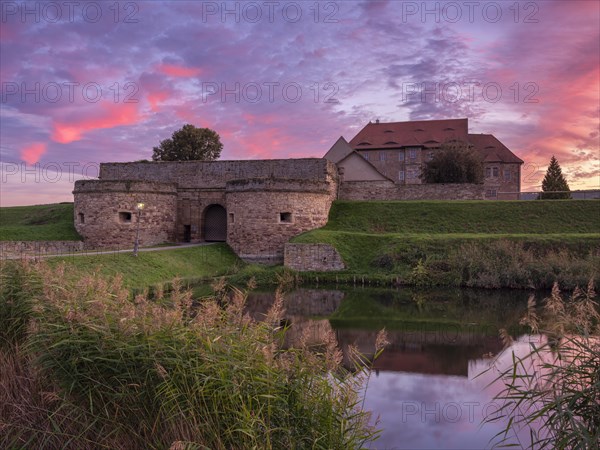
{"points": [[32, 153], [287, 80]]}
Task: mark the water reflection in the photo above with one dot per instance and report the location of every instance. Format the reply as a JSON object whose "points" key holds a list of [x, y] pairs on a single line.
{"points": [[429, 387]]}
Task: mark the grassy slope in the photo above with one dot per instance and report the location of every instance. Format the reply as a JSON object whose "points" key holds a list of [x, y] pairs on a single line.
{"points": [[488, 217], [194, 263], [53, 222], [363, 231]]}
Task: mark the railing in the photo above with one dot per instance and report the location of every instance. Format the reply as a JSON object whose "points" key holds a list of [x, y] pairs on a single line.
{"points": [[581, 194]]}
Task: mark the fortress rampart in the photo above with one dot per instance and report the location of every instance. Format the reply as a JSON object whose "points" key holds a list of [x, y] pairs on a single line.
{"points": [[255, 206]]}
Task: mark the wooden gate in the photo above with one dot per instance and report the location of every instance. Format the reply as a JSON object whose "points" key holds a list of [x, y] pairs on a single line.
{"points": [[215, 224]]}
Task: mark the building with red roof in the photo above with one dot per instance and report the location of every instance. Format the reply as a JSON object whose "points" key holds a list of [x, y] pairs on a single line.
{"points": [[398, 150]]}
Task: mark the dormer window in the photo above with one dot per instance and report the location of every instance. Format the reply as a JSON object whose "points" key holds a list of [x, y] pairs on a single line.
{"points": [[419, 129], [365, 143], [448, 129], [388, 131], [391, 143]]}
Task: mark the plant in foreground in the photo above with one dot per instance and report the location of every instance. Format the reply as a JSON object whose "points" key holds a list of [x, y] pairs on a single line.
{"points": [[554, 391], [102, 370]]}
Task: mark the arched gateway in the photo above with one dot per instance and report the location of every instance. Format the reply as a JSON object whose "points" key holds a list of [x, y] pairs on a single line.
{"points": [[215, 224]]}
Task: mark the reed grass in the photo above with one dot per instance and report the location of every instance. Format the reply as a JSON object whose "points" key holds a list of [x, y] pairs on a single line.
{"points": [[99, 369], [554, 391]]}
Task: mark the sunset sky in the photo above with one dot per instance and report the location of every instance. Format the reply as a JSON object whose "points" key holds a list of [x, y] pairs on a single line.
{"points": [[88, 82]]}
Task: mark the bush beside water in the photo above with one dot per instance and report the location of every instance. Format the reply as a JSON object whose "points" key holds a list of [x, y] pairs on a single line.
{"points": [[90, 367]]}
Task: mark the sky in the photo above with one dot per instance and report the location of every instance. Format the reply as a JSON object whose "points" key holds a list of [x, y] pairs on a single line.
{"points": [[90, 82]]}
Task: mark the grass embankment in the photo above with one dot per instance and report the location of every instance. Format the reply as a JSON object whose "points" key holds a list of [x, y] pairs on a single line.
{"points": [[53, 222], [192, 265], [517, 244]]}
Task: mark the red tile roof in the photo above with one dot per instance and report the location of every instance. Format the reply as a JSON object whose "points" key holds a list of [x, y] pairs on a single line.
{"points": [[492, 149], [429, 134]]}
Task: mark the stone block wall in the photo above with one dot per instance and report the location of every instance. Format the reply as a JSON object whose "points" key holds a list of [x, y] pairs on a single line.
{"points": [[263, 214], [191, 206], [387, 190], [106, 216], [18, 249], [215, 174], [312, 257]]}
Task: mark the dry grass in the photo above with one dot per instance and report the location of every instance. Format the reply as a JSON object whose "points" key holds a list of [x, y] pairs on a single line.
{"points": [[98, 369], [554, 391]]}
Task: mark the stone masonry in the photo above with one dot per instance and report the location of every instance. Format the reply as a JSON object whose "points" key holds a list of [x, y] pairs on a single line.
{"points": [[255, 206], [261, 203], [312, 257]]}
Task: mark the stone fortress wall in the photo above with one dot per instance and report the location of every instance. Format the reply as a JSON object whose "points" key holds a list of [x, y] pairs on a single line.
{"points": [[255, 206], [106, 217]]}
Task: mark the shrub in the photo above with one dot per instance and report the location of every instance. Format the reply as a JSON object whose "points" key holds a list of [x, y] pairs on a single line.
{"points": [[132, 373], [554, 390]]}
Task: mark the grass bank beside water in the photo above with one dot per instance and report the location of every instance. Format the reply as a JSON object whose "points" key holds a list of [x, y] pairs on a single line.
{"points": [[512, 244]]}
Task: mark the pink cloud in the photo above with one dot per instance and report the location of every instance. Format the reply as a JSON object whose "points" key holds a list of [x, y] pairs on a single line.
{"points": [[174, 70], [32, 153], [157, 97], [110, 115]]}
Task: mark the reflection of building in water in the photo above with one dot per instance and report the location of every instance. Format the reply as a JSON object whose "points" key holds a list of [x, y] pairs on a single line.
{"points": [[301, 307], [301, 302], [428, 352], [445, 351]]}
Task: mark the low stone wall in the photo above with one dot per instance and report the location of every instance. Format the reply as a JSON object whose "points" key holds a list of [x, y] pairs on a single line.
{"points": [[387, 190], [312, 257], [17, 249]]}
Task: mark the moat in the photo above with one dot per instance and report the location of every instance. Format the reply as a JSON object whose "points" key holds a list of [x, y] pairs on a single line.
{"points": [[430, 386]]}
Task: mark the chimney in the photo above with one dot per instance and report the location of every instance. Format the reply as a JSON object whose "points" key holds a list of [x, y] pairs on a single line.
{"points": [[377, 121]]}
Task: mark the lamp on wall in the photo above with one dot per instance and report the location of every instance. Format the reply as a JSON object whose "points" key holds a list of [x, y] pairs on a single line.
{"points": [[136, 245]]}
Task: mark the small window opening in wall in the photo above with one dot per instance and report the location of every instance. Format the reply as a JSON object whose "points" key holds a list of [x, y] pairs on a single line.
{"points": [[125, 217], [231, 218], [81, 218], [285, 217]]}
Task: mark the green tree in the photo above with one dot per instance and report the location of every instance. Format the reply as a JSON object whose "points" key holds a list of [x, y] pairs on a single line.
{"points": [[189, 144], [455, 162], [554, 181]]}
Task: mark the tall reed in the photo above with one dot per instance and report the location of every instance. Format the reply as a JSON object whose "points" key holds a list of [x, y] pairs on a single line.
{"points": [[554, 391], [117, 372]]}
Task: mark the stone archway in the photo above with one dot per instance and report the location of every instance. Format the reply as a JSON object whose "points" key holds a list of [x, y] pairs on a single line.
{"points": [[215, 224]]}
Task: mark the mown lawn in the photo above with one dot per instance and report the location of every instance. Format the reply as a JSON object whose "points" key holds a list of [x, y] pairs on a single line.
{"points": [[53, 222], [487, 217], [192, 264]]}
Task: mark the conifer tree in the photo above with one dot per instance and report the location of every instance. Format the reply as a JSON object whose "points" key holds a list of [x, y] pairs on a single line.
{"points": [[554, 181]]}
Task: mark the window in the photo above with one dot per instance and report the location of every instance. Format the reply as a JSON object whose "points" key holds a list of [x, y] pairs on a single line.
{"points": [[412, 152], [285, 217], [231, 218], [366, 156], [401, 175], [507, 175], [429, 156], [488, 172], [491, 193], [381, 156], [81, 218], [401, 155], [125, 217], [495, 172]]}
